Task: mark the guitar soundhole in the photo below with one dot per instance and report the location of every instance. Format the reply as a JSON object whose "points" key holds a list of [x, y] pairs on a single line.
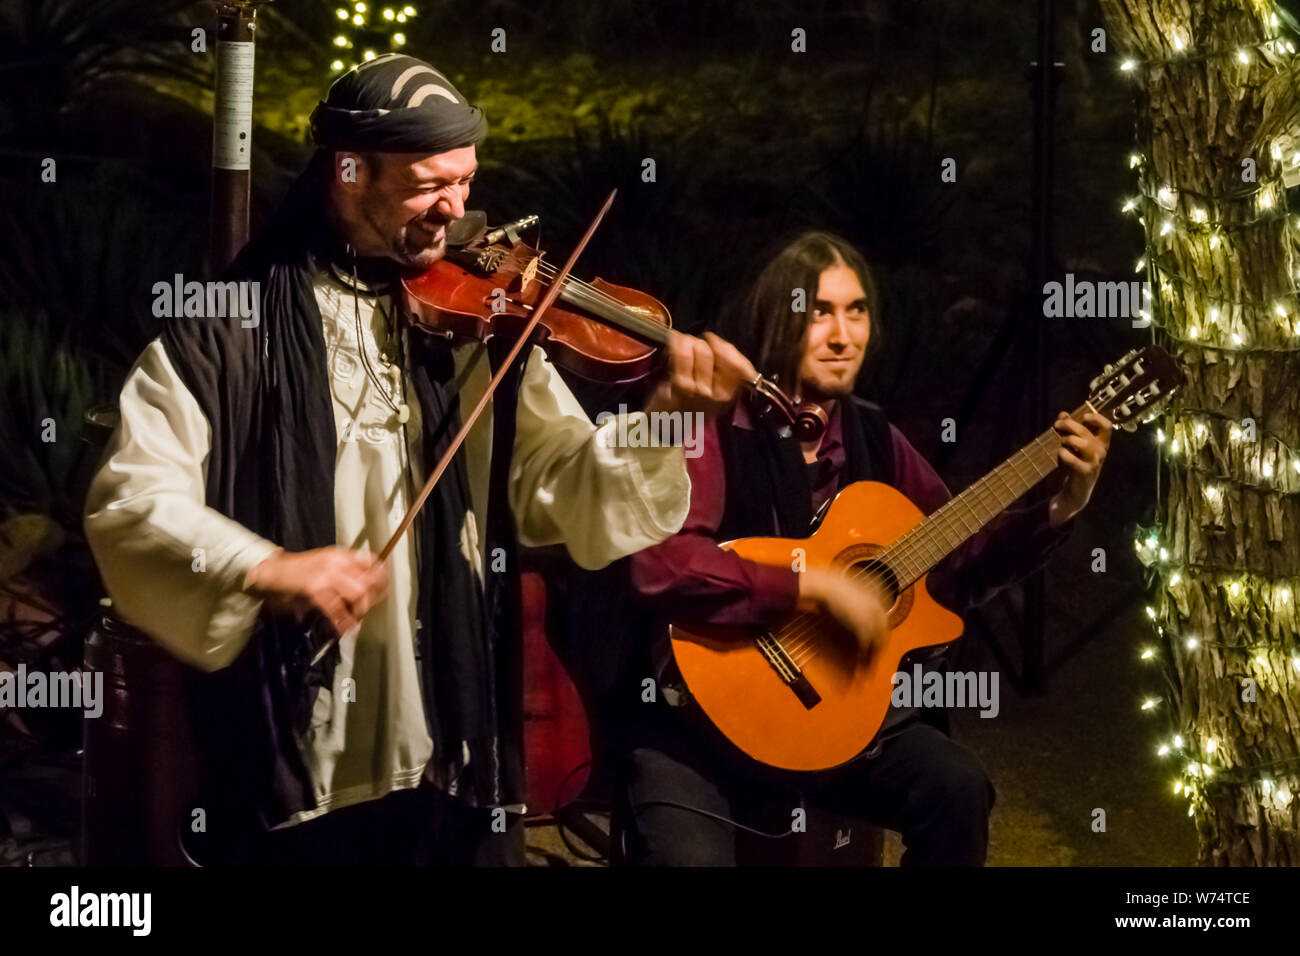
{"points": [[881, 574]]}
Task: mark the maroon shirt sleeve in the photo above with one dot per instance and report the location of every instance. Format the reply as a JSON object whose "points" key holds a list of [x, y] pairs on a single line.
{"points": [[701, 582], [1007, 550]]}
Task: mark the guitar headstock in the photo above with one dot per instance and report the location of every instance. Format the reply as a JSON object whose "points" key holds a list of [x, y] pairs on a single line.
{"points": [[1133, 389]]}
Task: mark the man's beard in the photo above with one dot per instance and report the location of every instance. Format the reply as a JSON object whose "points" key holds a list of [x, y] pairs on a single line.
{"points": [[402, 248], [815, 393], [423, 257]]}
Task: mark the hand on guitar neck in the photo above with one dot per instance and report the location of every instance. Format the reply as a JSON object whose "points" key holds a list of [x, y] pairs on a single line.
{"points": [[1084, 443], [852, 602]]}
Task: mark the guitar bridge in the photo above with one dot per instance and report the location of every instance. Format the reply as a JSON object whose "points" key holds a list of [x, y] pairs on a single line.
{"points": [[788, 670]]}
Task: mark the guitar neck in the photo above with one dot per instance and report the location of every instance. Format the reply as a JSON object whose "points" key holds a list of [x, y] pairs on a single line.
{"points": [[964, 516]]}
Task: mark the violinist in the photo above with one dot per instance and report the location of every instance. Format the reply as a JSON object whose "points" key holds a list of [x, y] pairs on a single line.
{"points": [[257, 471]]}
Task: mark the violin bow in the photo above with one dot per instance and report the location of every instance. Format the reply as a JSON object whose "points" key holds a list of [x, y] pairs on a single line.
{"points": [[557, 284]]}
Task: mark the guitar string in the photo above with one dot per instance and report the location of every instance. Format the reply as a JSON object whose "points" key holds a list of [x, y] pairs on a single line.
{"points": [[922, 543], [800, 635], [920, 540], [935, 551]]}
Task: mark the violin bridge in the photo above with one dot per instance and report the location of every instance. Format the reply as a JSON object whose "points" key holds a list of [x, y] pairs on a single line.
{"points": [[529, 274]]}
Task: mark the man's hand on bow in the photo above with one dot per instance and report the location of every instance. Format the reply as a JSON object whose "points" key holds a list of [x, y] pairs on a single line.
{"points": [[341, 584]]}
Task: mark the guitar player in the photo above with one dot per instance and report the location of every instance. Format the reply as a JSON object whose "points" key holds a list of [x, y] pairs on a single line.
{"points": [[681, 789]]}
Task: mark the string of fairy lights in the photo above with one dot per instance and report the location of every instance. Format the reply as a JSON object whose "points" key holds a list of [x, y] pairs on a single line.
{"points": [[1248, 459], [369, 29]]}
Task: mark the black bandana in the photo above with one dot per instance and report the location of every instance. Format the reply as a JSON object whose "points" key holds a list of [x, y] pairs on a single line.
{"points": [[396, 104]]}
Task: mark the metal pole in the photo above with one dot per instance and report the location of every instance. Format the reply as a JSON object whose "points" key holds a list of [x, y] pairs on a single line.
{"points": [[232, 130], [1036, 352]]}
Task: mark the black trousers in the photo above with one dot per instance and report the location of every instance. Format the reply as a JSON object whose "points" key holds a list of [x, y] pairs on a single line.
{"points": [[406, 828], [919, 782]]}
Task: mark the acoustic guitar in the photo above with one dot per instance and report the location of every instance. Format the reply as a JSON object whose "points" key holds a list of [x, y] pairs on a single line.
{"points": [[800, 696]]}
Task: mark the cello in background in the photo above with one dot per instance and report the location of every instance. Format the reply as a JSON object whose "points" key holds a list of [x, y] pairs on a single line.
{"points": [[557, 737]]}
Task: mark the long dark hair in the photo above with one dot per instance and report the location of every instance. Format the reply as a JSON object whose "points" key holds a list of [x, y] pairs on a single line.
{"points": [[766, 327]]}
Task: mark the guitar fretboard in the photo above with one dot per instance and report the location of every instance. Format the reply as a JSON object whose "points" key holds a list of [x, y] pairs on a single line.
{"points": [[962, 517]]}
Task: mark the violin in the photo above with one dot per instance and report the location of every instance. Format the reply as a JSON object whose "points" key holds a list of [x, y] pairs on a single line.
{"points": [[489, 282]]}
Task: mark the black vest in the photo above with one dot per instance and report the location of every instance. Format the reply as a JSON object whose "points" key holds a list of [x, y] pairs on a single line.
{"points": [[768, 491]]}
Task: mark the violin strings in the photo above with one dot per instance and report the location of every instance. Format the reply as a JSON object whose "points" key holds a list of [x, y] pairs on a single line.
{"points": [[603, 298], [647, 327]]}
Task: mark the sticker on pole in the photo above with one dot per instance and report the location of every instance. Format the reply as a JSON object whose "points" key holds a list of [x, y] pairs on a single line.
{"points": [[232, 122]]}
